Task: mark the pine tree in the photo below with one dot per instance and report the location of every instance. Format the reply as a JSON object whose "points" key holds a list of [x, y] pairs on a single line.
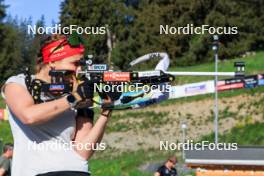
{"points": [[10, 56], [89, 13], [135, 26]]}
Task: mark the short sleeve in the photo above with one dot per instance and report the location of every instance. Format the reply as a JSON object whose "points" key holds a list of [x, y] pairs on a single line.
{"points": [[5, 164], [19, 79]]}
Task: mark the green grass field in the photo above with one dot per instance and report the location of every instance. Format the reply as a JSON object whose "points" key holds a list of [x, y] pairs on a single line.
{"points": [[126, 164], [250, 134], [2, 103], [254, 65], [5, 132]]}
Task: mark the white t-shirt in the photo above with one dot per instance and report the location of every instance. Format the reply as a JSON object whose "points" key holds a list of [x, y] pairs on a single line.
{"points": [[43, 148]]}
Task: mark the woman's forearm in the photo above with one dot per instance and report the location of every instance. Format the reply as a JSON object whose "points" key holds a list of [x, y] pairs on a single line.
{"points": [[105, 113], [94, 136], [21, 103], [40, 113]]}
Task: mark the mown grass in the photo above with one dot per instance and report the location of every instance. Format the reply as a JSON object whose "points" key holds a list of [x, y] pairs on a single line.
{"points": [[2, 103], [141, 120], [129, 163], [254, 65], [249, 134], [5, 132], [126, 164], [224, 94]]}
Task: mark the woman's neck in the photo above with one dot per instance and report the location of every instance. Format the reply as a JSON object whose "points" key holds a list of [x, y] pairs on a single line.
{"points": [[43, 75]]}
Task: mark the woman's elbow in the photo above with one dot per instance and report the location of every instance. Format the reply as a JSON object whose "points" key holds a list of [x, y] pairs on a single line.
{"points": [[86, 155], [28, 119]]}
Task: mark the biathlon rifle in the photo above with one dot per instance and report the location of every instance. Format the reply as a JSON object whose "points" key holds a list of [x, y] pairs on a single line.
{"points": [[100, 74]]}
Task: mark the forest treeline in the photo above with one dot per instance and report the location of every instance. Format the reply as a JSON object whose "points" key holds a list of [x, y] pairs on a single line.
{"points": [[134, 30]]}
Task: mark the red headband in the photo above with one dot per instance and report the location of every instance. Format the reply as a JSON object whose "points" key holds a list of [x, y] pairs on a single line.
{"points": [[60, 53]]}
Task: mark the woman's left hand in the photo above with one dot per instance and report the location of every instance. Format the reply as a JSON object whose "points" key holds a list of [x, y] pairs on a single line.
{"points": [[106, 112]]}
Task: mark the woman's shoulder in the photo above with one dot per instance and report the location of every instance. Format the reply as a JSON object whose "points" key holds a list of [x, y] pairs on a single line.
{"points": [[20, 79]]}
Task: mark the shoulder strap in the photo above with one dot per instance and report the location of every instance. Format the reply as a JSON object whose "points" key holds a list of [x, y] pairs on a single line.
{"points": [[33, 86]]}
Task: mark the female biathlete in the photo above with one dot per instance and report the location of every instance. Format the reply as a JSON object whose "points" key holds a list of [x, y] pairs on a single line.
{"points": [[53, 136]]}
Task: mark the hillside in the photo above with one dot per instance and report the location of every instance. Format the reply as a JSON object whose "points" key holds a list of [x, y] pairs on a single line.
{"points": [[252, 134], [133, 137], [147, 127]]}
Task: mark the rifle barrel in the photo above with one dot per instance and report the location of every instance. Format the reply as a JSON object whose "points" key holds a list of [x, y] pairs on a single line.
{"points": [[202, 73]]}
